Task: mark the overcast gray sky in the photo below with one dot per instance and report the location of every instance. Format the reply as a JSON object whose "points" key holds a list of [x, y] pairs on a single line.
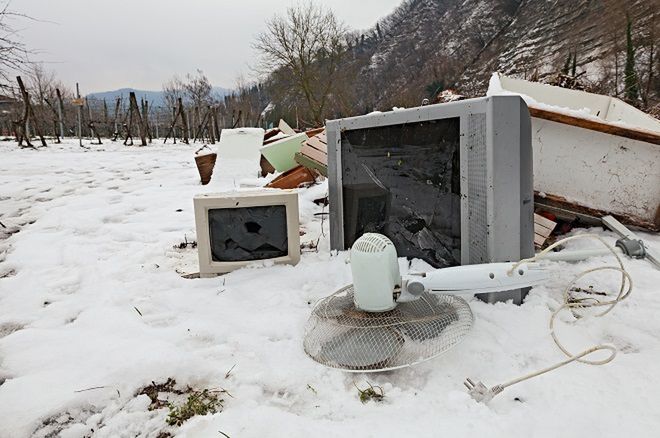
{"points": [[110, 44]]}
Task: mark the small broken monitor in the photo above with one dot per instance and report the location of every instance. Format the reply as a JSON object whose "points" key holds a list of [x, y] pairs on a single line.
{"points": [[239, 228]]}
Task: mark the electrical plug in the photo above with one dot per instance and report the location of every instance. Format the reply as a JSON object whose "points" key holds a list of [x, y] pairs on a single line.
{"points": [[481, 392]]}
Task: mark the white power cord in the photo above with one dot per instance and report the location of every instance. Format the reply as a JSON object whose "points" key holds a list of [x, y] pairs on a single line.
{"points": [[482, 393]]}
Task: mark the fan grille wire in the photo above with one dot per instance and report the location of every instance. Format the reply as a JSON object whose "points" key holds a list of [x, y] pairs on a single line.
{"points": [[341, 336]]}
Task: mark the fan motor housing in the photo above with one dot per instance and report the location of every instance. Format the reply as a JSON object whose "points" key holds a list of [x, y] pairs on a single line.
{"points": [[376, 273]]}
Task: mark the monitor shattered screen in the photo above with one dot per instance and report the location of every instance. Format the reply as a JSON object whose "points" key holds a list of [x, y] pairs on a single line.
{"points": [[250, 233], [403, 181]]}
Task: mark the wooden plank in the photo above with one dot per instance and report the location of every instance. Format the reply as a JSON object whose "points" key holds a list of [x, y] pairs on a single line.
{"points": [[312, 132], [544, 221], [266, 167], [304, 160], [293, 178], [539, 240], [638, 134], [314, 154], [285, 128], [315, 143], [271, 133], [273, 139], [542, 231], [571, 211]]}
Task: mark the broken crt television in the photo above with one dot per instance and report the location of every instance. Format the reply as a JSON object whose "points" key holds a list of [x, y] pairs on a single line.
{"points": [[450, 184], [239, 228]]}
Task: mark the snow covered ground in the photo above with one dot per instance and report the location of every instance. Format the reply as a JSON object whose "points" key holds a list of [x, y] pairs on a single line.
{"points": [[92, 309]]}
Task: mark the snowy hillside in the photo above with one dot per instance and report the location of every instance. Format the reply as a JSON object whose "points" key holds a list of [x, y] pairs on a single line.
{"points": [[434, 44], [93, 310]]}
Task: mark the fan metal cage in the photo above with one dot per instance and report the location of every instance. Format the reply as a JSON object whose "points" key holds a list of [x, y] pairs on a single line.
{"points": [[341, 336]]}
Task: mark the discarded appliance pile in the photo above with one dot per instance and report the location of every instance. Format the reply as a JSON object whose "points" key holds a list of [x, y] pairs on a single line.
{"points": [[240, 227], [451, 184], [300, 157]]}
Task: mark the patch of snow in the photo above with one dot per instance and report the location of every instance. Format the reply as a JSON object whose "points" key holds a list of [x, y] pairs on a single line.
{"points": [[96, 311]]}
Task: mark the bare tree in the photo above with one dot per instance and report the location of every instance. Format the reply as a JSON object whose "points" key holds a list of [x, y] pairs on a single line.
{"points": [[306, 44], [198, 89], [13, 53], [173, 91], [41, 83]]}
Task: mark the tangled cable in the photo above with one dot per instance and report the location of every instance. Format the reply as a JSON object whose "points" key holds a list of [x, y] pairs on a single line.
{"points": [[484, 394]]}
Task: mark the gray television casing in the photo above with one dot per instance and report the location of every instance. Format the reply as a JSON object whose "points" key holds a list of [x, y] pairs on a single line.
{"points": [[496, 177]]}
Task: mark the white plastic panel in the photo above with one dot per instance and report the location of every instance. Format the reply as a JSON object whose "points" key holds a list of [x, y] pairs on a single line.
{"points": [[241, 144]]}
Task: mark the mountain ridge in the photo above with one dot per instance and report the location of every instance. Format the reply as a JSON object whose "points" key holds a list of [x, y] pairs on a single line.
{"points": [[155, 98]]}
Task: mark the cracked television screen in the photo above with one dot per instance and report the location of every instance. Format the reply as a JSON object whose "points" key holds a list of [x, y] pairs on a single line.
{"points": [[249, 233], [403, 181]]}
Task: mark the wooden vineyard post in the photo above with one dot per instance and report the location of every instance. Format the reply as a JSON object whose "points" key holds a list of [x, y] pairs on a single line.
{"points": [[79, 114], [129, 122], [180, 113], [145, 119], [199, 132], [216, 127], [114, 122], [105, 114], [174, 113], [55, 120], [157, 123], [93, 132], [211, 124], [60, 111], [134, 112], [28, 113], [22, 129]]}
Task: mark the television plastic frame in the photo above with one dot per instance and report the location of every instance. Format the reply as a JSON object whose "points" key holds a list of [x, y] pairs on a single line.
{"points": [[497, 219], [233, 200]]}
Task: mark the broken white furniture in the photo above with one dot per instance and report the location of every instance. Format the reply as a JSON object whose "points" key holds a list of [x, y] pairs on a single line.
{"points": [[593, 152], [280, 154], [241, 144]]}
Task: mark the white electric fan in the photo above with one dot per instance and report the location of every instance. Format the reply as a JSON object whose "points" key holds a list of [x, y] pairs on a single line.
{"points": [[385, 321]]}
